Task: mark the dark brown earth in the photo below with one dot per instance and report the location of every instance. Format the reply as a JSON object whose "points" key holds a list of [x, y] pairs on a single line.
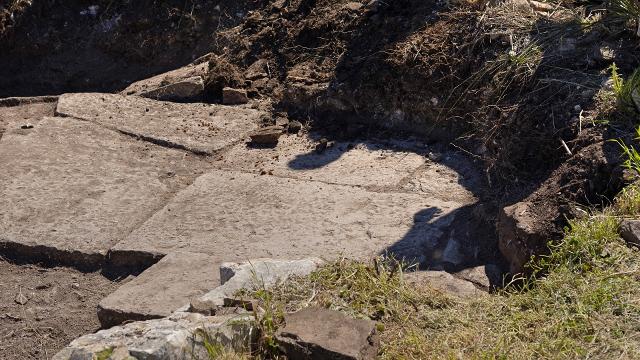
{"points": [[60, 306]]}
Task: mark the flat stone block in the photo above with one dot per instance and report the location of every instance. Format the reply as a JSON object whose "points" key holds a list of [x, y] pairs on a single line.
{"points": [[200, 128], [237, 216], [72, 189], [161, 289]]}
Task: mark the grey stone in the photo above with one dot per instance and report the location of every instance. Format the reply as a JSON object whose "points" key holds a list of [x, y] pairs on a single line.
{"points": [[181, 84], [187, 89], [486, 276], [257, 70], [235, 216], [231, 96], [630, 231], [161, 289], [318, 333], [72, 189], [267, 136], [294, 126], [253, 275], [179, 336], [200, 128], [444, 282]]}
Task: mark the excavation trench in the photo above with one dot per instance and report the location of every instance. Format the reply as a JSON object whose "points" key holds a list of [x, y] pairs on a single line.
{"points": [[391, 159]]}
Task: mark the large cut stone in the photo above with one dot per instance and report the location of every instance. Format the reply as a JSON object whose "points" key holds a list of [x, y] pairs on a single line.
{"points": [[183, 84], [177, 337], [200, 128], [71, 189], [253, 275], [318, 333], [160, 290], [238, 216]]}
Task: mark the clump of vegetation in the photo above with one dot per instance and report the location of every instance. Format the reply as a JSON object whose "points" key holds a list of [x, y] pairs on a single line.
{"points": [[625, 89]]}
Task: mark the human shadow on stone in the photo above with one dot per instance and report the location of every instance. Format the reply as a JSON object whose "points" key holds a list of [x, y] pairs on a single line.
{"points": [[453, 241]]}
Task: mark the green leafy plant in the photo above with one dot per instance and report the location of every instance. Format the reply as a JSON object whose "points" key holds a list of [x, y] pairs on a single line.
{"points": [[624, 88]]}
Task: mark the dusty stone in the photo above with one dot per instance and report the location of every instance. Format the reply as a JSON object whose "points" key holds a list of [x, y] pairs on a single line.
{"points": [[178, 85], [630, 231], [72, 189], [444, 282], [231, 96], [200, 128], [251, 275], [294, 126], [160, 290], [282, 122], [257, 70], [486, 276], [351, 164], [318, 333], [259, 216], [267, 136], [353, 6], [172, 338], [520, 235], [187, 89]]}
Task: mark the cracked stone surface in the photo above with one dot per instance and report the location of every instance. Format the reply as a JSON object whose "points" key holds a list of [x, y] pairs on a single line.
{"points": [[200, 128], [114, 179], [236, 216], [73, 187]]}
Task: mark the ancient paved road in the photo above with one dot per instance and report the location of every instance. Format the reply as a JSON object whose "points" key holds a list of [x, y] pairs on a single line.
{"points": [[122, 180]]}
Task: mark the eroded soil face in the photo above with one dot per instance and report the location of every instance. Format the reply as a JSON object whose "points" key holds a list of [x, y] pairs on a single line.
{"points": [[43, 309]]}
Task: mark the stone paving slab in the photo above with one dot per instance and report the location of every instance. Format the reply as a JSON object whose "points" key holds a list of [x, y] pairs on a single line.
{"points": [[360, 164], [72, 189], [237, 216], [201, 128], [161, 289]]}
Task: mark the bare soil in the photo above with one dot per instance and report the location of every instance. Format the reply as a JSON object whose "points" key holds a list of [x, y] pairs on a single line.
{"points": [[60, 306]]}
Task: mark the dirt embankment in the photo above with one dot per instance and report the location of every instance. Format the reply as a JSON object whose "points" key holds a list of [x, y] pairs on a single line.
{"points": [[515, 85]]}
